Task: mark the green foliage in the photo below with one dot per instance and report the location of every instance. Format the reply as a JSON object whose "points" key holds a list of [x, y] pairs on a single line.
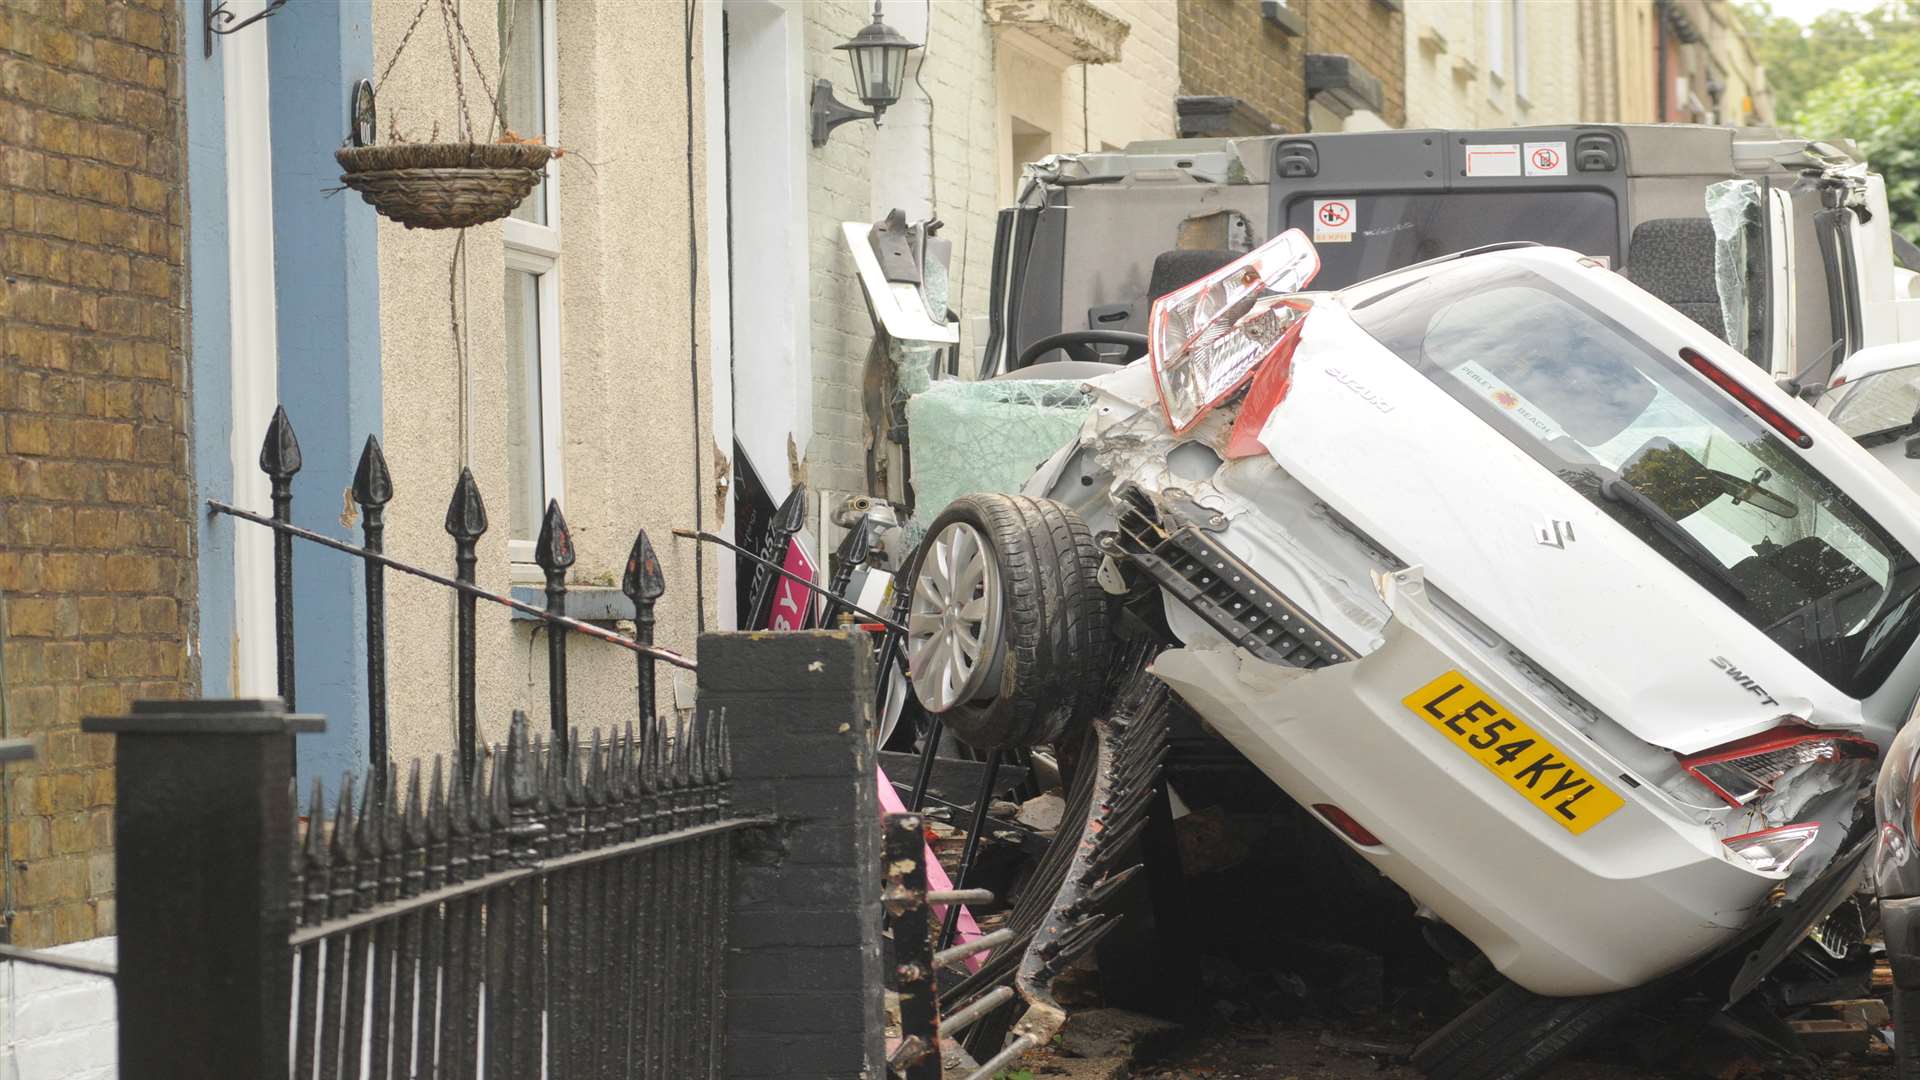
{"points": [[1855, 76], [1800, 59], [1876, 103]]}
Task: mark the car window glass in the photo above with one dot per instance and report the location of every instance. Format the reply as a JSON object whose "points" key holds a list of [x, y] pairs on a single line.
{"points": [[1882, 402], [1596, 404]]}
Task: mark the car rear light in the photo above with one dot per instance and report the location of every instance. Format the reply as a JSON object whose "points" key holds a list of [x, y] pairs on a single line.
{"points": [[1774, 849], [1205, 338], [1743, 771], [1271, 381], [1348, 827], [1745, 396]]}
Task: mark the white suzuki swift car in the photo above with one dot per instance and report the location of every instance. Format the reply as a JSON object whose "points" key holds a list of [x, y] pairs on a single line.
{"points": [[1549, 602]]}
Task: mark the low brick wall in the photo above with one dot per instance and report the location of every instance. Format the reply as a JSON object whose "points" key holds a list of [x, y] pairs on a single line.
{"points": [[59, 1025]]}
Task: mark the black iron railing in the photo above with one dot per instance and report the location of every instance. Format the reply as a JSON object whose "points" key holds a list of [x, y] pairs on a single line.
{"points": [[522, 918], [466, 523]]}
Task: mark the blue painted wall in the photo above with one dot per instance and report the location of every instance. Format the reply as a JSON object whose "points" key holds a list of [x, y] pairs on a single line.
{"points": [[211, 330], [327, 299], [327, 292]]}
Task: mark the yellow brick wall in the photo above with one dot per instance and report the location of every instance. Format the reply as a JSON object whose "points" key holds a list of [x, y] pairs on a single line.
{"points": [[96, 557], [1226, 48], [1372, 33]]}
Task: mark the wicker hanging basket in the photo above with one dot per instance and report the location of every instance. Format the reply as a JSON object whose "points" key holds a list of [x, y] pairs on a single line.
{"points": [[444, 185]]}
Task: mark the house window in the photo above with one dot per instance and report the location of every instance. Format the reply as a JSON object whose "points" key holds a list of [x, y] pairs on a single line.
{"points": [[1496, 17], [1519, 8], [532, 294]]}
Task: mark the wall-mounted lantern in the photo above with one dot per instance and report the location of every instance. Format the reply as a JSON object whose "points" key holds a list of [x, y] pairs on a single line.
{"points": [[879, 57]]}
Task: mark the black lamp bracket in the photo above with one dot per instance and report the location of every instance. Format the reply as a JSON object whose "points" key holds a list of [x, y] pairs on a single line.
{"points": [[218, 20], [829, 113]]}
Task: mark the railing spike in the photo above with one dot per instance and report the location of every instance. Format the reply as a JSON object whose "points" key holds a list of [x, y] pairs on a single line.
{"points": [[596, 772], [630, 765], [367, 829], [414, 825], [467, 511], [392, 834], [341, 843], [316, 846], [643, 582], [649, 764], [438, 826], [726, 746], [792, 515], [499, 810], [682, 755], [280, 451], [576, 776], [554, 548], [372, 483]]}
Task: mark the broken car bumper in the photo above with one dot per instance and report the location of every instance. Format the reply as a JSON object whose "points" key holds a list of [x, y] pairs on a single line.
{"points": [[1634, 893]]}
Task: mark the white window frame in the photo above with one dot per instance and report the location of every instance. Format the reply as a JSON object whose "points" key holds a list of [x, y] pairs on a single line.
{"points": [[1496, 29], [1519, 28], [535, 249]]}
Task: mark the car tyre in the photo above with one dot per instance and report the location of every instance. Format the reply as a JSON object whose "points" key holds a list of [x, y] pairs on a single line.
{"points": [[1039, 666], [1515, 1034]]}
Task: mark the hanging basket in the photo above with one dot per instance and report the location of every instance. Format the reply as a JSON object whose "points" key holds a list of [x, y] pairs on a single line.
{"points": [[444, 185]]}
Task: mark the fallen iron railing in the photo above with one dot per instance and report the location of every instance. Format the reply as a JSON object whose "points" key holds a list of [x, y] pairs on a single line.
{"points": [[466, 521]]}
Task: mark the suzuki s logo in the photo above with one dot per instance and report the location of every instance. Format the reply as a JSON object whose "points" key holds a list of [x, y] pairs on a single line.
{"points": [[1745, 681], [1554, 534]]}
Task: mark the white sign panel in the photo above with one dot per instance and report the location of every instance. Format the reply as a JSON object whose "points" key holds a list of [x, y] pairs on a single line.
{"points": [[1493, 159], [1333, 220], [1546, 158]]}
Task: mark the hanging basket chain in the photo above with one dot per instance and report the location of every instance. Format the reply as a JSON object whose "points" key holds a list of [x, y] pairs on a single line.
{"points": [[479, 71], [448, 185], [447, 19]]}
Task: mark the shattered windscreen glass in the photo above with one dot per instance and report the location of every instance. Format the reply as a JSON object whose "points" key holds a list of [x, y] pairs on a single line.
{"points": [[1668, 456]]}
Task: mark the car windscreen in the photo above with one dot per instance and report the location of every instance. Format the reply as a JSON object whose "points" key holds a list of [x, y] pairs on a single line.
{"points": [[1391, 229], [1666, 454]]}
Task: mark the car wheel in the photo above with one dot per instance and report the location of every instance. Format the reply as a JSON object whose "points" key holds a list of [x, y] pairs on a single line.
{"points": [[1514, 1034], [1007, 627]]}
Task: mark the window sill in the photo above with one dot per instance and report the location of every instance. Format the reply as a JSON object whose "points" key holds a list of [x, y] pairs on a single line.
{"points": [[589, 603]]}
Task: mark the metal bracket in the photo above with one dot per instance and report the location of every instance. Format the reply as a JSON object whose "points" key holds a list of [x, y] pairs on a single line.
{"points": [[218, 20], [827, 111]]}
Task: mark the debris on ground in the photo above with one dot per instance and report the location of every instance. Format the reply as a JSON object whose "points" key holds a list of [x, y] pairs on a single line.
{"points": [[1099, 1033]]}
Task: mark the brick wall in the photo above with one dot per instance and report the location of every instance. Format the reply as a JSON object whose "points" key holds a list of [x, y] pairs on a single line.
{"points": [[1373, 34], [59, 1025], [96, 561], [1226, 48]]}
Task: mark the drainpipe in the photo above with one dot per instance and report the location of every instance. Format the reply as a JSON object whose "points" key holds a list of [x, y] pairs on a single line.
{"points": [[1660, 66]]}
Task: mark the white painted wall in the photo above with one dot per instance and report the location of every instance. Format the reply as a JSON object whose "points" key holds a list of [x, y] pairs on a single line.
{"points": [[59, 1025], [950, 144], [1483, 92], [626, 382]]}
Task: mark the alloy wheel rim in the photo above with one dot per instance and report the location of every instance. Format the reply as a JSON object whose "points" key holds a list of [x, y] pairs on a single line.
{"points": [[953, 623]]}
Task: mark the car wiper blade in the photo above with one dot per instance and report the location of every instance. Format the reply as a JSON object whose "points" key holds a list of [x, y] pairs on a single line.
{"points": [[1619, 492]]}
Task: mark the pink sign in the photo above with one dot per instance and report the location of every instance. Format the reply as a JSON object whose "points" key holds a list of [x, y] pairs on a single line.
{"points": [[791, 600]]}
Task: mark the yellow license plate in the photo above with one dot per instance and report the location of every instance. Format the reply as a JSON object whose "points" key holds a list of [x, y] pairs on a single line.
{"points": [[1490, 734]]}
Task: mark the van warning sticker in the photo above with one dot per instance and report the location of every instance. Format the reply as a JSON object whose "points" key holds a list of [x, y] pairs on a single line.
{"points": [[1333, 220], [1546, 158], [1493, 159]]}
